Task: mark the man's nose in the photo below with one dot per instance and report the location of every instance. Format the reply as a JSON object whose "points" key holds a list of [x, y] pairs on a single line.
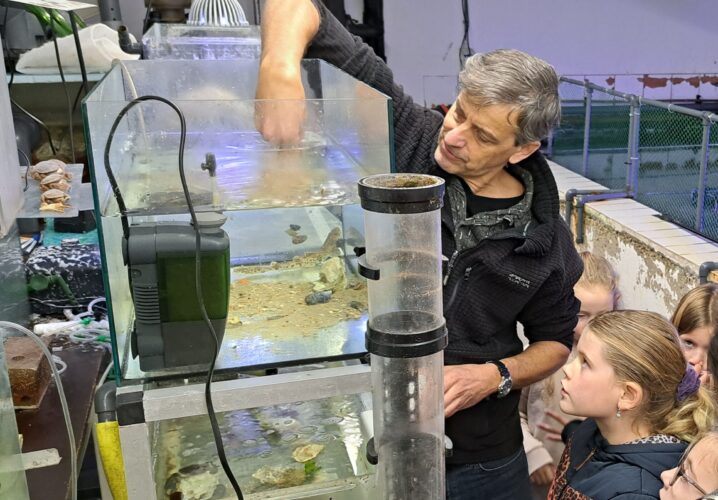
{"points": [[456, 137]]}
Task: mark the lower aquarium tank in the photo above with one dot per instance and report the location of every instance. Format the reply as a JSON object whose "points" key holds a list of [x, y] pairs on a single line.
{"points": [[278, 271], [309, 449]]}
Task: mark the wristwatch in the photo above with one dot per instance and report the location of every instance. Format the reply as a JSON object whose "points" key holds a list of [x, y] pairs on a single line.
{"points": [[506, 380]]}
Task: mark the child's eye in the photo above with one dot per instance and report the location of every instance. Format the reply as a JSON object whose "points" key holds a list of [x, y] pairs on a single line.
{"points": [[687, 344]]}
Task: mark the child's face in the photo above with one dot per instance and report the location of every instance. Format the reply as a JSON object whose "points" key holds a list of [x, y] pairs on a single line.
{"points": [[695, 476], [589, 387], [695, 344], [594, 301]]}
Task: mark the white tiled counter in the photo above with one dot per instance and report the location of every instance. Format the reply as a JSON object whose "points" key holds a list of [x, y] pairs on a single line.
{"points": [[657, 261]]}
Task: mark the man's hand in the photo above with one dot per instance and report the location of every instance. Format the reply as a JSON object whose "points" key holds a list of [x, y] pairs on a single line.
{"points": [[553, 433], [288, 27], [466, 385], [543, 475], [280, 110]]}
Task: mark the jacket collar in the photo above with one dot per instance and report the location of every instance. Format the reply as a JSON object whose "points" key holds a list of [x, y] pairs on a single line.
{"points": [[537, 238]]}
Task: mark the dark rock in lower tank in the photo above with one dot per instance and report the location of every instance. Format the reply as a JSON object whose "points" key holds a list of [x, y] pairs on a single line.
{"points": [[355, 304], [318, 297]]}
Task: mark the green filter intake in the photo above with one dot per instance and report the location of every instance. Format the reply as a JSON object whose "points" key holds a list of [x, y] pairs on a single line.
{"points": [[178, 295]]}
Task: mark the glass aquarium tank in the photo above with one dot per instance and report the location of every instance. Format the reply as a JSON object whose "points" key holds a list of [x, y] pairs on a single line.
{"points": [[181, 41], [307, 449], [290, 293]]}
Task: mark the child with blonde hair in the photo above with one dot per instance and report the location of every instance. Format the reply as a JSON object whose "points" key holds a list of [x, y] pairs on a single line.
{"points": [[597, 289], [642, 402], [696, 319]]}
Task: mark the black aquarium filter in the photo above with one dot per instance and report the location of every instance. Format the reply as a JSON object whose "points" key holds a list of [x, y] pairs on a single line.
{"points": [[169, 329]]}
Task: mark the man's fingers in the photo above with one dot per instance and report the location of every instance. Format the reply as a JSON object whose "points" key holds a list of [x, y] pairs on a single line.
{"points": [[452, 401], [450, 379]]}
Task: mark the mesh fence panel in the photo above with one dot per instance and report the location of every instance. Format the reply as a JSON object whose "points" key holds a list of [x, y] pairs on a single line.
{"points": [[669, 149], [568, 137], [710, 206], [668, 177], [608, 140]]}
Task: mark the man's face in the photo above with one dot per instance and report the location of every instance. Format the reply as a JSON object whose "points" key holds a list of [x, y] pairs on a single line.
{"points": [[476, 141]]}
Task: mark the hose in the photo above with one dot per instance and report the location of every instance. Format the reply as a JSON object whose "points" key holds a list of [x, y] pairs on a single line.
{"points": [[63, 401]]}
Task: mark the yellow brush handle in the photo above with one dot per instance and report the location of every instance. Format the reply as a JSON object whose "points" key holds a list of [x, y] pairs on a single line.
{"points": [[108, 442]]}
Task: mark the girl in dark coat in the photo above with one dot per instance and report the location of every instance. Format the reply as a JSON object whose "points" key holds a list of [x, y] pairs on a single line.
{"points": [[643, 405]]}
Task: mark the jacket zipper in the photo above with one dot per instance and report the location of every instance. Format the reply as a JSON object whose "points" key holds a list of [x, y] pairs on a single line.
{"points": [[450, 266], [578, 468], [452, 262], [455, 289]]}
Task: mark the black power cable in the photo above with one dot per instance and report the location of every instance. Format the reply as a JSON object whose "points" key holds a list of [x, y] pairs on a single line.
{"points": [[64, 87], [78, 47], [465, 50], [147, 16], [38, 121], [197, 263], [29, 163], [77, 98]]}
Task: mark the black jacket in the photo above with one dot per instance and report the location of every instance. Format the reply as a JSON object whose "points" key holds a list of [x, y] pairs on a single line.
{"points": [[512, 276], [592, 468]]}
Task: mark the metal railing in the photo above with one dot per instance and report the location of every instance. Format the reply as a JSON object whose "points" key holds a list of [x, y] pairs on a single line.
{"points": [[663, 155]]}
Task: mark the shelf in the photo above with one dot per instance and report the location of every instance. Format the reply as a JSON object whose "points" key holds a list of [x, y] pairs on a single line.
{"points": [[21, 78]]}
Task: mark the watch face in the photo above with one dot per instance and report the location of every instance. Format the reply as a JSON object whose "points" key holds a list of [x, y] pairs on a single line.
{"points": [[505, 387]]}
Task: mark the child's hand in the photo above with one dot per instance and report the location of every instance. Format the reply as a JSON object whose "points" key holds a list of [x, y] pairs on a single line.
{"points": [[543, 475], [554, 432]]}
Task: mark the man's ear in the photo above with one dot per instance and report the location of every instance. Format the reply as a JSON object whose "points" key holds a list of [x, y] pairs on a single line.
{"points": [[524, 152], [631, 397]]}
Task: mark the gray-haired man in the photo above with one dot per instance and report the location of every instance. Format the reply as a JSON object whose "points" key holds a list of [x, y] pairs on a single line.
{"points": [[510, 256]]}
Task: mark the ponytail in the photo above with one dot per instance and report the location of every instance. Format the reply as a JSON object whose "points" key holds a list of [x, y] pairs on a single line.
{"points": [[691, 418]]}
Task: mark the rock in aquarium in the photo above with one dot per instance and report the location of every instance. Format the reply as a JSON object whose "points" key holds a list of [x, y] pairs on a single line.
{"points": [[318, 297]]}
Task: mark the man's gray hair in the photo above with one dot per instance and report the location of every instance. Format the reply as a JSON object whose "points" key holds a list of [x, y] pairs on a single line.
{"points": [[512, 77]]}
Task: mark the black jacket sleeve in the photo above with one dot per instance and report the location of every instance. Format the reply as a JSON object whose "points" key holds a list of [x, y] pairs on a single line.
{"points": [[416, 128], [553, 313]]}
